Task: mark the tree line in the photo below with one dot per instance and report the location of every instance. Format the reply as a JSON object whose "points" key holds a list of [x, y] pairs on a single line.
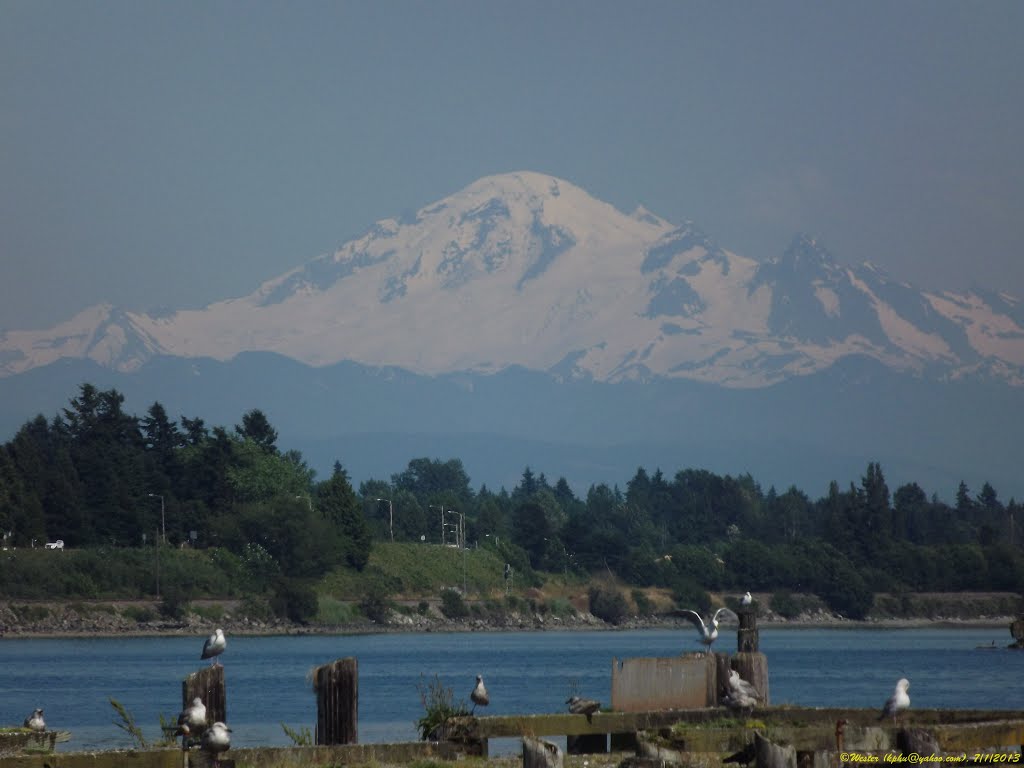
{"points": [[96, 476]]}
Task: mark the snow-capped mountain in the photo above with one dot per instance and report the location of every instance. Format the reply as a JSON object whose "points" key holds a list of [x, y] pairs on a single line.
{"points": [[524, 269]]}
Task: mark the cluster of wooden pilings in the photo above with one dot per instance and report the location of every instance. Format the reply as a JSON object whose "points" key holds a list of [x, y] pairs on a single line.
{"points": [[337, 699]]}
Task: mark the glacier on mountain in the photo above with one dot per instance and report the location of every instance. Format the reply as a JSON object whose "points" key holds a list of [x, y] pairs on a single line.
{"points": [[524, 269]]}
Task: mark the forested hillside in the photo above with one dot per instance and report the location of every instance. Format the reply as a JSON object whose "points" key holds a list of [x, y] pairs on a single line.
{"points": [[254, 518]]}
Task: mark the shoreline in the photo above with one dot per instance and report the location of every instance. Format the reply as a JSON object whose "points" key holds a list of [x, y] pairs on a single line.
{"points": [[443, 626]]}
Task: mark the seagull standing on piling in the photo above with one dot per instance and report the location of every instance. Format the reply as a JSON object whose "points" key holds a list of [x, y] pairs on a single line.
{"points": [[899, 701], [746, 599], [709, 631], [35, 721], [214, 646], [216, 739], [479, 694]]}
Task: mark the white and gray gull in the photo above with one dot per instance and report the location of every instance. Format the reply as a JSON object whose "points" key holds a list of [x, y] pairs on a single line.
{"points": [[742, 696], [214, 646], [192, 720], [216, 739], [898, 702], [35, 721], [708, 631], [479, 695]]}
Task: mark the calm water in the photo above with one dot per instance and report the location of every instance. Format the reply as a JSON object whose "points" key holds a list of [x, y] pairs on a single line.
{"points": [[528, 672]]}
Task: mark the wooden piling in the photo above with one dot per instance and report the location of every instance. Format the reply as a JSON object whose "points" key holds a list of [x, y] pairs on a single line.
{"points": [[207, 684], [769, 755], [337, 702], [747, 638], [538, 753], [751, 664], [753, 667]]}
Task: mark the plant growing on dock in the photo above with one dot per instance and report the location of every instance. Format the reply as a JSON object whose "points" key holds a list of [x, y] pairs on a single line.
{"points": [[301, 737], [128, 724], [438, 707]]}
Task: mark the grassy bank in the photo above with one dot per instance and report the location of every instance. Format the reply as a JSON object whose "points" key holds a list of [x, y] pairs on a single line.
{"points": [[404, 585]]}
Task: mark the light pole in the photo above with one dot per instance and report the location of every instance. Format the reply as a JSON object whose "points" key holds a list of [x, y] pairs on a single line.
{"points": [[163, 520], [457, 525], [391, 518]]}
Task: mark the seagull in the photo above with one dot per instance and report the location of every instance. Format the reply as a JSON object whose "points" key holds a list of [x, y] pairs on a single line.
{"points": [[479, 694], [742, 695], [708, 634], [214, 646], [746, 599], [192, 720], [35, 721], [216, 739], [578, 706], [898, 702]]}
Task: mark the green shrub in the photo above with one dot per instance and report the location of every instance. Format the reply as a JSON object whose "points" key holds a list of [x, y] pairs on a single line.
{"points": [[688, 594], [608, 605], [334, 612], [560, 607], [141, 614], [423, 608], [789, 606], [452, 605], [255, 609], [213, 612], [175, 602], [438, 706], [644, 606], [294, 600], [375, 604], [515, 603]]}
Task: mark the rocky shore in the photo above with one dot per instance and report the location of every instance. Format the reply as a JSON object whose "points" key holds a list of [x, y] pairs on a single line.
{"points": [[53, 619]]}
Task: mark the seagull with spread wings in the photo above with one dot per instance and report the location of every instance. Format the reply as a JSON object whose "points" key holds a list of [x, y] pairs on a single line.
{"points": [[708, 630]]}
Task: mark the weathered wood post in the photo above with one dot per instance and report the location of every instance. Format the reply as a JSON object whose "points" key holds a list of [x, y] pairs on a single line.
{"points": [[208, 685], [337, 702], [538, 753], [769, 755], [747, 637], [751, 664]]}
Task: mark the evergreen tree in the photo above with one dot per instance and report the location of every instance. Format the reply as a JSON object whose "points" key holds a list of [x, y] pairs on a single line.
{"points": [[340, 506], [256, 427]]}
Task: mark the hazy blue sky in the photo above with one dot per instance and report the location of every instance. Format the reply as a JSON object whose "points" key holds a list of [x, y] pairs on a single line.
{"points": [[165, 155]]}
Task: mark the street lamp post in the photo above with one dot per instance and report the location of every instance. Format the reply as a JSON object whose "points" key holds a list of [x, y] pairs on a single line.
{"points": [[458, 526], [163, 519], [391, 518]]}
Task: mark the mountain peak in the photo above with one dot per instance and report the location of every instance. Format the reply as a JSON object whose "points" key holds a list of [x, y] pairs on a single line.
{"points": [[527, 270]]}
